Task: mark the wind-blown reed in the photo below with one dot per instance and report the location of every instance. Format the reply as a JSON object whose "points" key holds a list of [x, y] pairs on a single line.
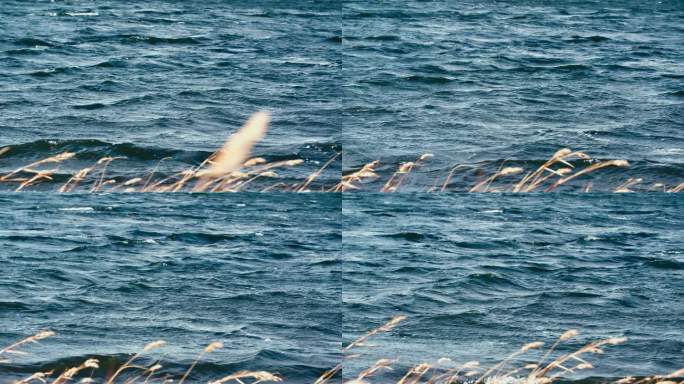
{"points": [[548, 367], [231, 169], [519, 367]]}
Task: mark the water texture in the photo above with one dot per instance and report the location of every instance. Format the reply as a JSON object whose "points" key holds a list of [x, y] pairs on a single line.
{"points": [[155, 79], [111, 273], [480, 276], [478, 82]]}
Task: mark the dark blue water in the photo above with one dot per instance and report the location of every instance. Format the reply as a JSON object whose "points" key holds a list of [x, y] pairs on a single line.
{"points": [[479, 82], [111, 273], [479, 276], [155, 79], [476, 83]]}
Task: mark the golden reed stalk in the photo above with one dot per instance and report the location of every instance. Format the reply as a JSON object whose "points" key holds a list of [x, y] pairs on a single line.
{"points": [[230, 169], [444, 371], [546, 370]]}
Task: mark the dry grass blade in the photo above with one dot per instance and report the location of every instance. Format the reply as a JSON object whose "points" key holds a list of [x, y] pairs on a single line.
{"points": [[398, 178], [41, 175], [70, 373], [496, 368], [314, 175], [379, 366], [366, 172], [104, 162], [129, 364], [388, 326], [30, 168], [483, 186], [624, 187], [13, 348], [414, 375], [678, 188], [451, 175], [37, 376], [210, 348], [594, 347], [75, 179], [329, 374], [603, 164]]}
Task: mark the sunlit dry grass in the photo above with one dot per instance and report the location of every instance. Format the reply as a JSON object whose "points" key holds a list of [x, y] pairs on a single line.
{"points": [[229, 169], [532, 363], [131, 372], [232, 169], [548, 366], [552, 175]]}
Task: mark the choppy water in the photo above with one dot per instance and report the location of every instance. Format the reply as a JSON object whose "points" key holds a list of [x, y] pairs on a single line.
{"points": [[473, 82], [479, 276], [478, 82], [111, 273], [152, 79]]}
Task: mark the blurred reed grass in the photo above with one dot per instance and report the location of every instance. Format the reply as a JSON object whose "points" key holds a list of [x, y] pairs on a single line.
{"points": [[133, 371], [545, 367], [550, 176], [231, 169], [532, 363]]}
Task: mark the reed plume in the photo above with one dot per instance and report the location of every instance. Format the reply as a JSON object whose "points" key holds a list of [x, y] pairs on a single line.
{"points": [[236, 150], [444, 371]]}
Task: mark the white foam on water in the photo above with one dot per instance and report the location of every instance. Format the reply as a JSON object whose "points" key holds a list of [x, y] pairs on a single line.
{"points": [[78, 209], [83, 14]]}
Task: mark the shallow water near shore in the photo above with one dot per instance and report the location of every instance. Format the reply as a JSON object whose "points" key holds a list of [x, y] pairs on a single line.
{"points": [[478, 276], [111, 273]]}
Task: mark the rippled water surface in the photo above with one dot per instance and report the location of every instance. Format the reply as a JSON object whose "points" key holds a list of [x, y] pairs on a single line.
{"points": [[112, 273], [155, 79], [480, 276], [477, 82]]}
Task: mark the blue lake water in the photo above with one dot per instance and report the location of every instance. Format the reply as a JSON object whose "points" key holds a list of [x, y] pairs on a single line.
{"points": [[285, 280], [112, 273], [480, 276], [479, 82], [149, 80]]}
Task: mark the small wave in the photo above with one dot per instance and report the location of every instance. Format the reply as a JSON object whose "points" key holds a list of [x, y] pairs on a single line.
{"points": [[50, 72], [383, 38], [679, 93], [89, 107], [334, 39], [665, 264], [491, 280], [76, 14], [201, 237], [32, 42], [111, 64], [429, 79], [587, 39], [77, 209], [154, 40], [95, 149], [13, 306], [411, 236]]}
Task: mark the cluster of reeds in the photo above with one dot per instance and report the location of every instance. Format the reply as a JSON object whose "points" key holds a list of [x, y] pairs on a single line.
{"points": [[230, 169], [132, 371], [548, 177], [547, 367], [550, 367]]}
